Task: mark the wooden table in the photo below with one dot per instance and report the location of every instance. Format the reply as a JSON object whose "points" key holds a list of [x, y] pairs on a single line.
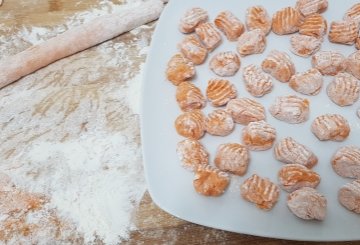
{"points": [[154, 226]]}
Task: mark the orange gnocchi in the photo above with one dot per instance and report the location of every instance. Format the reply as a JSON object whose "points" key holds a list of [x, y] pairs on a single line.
{"points": [[308, 7], [314, 25], [279, 65], [192, 154], [191, 124], [179, 69], [329, 62], [258, 136], [192, 49], [210, 181], [353, 13], [257, 82], [295, 176], [225, 64], [192, 18], [258, 18], [349, 196], [303, 45], [220, 91], [230, 25], [233, 158], [290, 151], [260, 191], [245, 110], [290, 109], [353, 64], [307, 203], [344, 90], [219, 122], [189, 97], [251, 42], [309, 82], [286, 21], [330, 127], [343, 32], [208, 35], [346, 162]]}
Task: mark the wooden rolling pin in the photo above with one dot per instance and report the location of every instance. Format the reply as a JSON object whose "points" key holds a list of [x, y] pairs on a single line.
{"points": [[77, 39]]}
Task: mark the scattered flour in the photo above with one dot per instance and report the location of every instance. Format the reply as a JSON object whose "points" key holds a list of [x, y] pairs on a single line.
{"points": [[134, 92], [96, 180], [92, 181], [27, 36]]}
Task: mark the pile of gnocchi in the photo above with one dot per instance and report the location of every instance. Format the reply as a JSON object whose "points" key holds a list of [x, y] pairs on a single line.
{"points": [[296, 177]]}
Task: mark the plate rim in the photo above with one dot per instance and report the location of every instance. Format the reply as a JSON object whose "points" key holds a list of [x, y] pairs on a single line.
{"points": [[146, 165]]}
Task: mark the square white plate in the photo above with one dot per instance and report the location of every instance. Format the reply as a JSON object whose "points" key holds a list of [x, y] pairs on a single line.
{"points": [[170, 185]]}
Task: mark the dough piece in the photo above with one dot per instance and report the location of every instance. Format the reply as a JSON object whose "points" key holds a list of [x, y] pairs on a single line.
{"points": [[329, 62], [257, 82], [306, 203], [230, 25], [251, 42], [353, 13], [314, 25], [330, 127], [209, 36], [77, 39], [286, 21], [260, 191], [258, 18], [344, 90], [219, 122], [258, 136], [220, 91], [225, 64], [353, 64], [290, 151], [189, 97], [192, 49], [210, 181], [295, 176], [233, 158], [349, 196], [279, 65], [346, 162], [290, 109], [191, 124], [303, 45], [308, 7], [309, 82], [179, 69], [357, 42], [245, 110], [343, 32], [192, 154], [192, 18]]}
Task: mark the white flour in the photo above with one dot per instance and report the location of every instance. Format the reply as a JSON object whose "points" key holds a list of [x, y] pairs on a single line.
{"points": [[94, 181], [134, 92], [26, 37]]}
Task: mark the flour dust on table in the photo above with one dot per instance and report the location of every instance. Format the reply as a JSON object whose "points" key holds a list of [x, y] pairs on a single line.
{"points": [[71, 141]]}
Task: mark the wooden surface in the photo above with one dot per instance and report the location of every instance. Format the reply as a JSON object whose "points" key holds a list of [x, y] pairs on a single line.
{"points": [[153, 226]]}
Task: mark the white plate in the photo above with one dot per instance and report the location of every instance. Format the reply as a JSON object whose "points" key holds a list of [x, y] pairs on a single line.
{"points": [[171, 186]]}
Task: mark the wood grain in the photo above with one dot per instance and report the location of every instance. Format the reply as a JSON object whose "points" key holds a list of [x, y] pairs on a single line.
{"points": [[76, 39], [153, 226]]}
